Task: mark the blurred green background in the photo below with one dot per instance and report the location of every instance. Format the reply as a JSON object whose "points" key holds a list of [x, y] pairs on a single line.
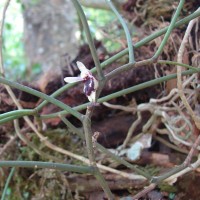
{"points": [[103, 26]]}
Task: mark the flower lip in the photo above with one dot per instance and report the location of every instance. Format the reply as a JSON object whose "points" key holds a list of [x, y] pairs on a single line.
{"points": [[90, 83], [89, 86]]}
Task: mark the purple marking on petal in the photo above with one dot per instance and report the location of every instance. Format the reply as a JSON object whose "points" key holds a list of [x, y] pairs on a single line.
{"points": [[88, 86]]}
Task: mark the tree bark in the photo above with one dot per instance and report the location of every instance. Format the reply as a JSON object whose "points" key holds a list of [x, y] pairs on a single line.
{"points": [[49, 33]]}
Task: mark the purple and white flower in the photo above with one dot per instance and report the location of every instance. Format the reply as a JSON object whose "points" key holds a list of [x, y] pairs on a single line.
{"points": [[90, 83]]}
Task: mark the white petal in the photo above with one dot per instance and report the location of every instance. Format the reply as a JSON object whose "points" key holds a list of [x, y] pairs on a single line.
{"points": [[81, 66], [72, 79], [84, 71], [96, 84], [92, 96]]}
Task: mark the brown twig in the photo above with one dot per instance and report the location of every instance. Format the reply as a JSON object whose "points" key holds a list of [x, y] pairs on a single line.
{"points": [[145, 191], [190, 155], [32, 145], [179, 70], [116, 158], [8, 144]]}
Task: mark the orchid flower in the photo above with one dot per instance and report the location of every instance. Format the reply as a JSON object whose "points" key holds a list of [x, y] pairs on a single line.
{"points": [[90, 83]]}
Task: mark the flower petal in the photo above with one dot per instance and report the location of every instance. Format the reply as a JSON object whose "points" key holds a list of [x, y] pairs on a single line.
{"points": [[72, 79], [81, 66], [96, 84], [92, 96], [84, 71]]}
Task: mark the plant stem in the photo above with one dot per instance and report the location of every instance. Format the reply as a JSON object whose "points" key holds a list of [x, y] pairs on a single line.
{"points": [[128, 35], [169, 30], [3, 197], [88, 135], [89, 38], [90, 151], [124, 52], [144, 85], [126, 67], [18, 113], [48, 165], [111, 96], [42, 96], [116, 158], [55, 94], [126, 91], [150, 38], [8, 119], [177, 63]]}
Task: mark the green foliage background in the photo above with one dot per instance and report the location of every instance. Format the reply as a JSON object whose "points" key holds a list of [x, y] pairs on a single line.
{"points": [[13, 47], [13, 53]]}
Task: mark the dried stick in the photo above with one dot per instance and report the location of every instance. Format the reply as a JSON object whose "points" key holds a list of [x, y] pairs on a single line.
{"points": [[8, 144], [172, 174], [179, 70], [113, 156], [131, 129], [145, 191], [32, 145]]}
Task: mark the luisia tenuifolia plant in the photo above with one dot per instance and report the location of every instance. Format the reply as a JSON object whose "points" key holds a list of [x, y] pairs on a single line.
{"points": [[90, 82]]}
